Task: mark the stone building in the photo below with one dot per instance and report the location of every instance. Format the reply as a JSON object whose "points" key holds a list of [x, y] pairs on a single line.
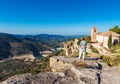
{"points": [[94, 32], [103, 37]]}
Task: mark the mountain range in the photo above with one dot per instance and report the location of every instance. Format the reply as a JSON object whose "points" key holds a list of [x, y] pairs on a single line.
{"points": [[14, 45]]}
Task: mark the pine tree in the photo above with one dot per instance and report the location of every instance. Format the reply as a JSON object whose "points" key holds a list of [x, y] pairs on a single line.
{"points": [[115, 29]]}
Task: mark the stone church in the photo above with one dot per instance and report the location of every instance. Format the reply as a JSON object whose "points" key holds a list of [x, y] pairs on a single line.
{"points": [[102, 37]]}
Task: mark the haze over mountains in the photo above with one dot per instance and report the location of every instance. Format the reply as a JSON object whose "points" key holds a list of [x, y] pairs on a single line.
{"points": [[14, 45]]}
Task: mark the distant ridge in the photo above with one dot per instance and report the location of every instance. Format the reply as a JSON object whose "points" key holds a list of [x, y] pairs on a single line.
{"points": [[13, 45]]}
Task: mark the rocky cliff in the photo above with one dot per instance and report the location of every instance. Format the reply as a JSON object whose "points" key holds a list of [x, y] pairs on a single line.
{"points": [[71, 71], [43, 78], [90, 71], [71, 48]]}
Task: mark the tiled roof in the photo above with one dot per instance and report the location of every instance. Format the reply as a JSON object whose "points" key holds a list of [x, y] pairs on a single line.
{"points": [[109, 33]]}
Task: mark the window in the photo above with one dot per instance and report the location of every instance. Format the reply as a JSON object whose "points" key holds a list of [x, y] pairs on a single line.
{"points": [[115, 41], [95, 30]]}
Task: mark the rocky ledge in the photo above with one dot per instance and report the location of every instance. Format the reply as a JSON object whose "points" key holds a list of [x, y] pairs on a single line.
{"points": [[68, 70]]}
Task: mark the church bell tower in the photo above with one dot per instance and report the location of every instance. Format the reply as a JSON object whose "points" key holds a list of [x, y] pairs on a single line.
{"points": [[94, 32]]}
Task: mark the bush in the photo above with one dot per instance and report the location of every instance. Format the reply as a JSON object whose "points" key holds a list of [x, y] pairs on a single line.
{"points": [[59, 53], [111, 60], [75, 54], [88, 39], [110, 41], [79, 63], [95, 50], [116, 48]]}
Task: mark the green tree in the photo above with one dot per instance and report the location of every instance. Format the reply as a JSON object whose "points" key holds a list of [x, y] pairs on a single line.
{"points": [[115, 29], [110, 41]]}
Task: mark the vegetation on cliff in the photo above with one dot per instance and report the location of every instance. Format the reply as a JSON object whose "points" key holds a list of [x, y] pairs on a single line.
{"points": [[111, 60], [59, 53], [11, 67], [114, 58]]}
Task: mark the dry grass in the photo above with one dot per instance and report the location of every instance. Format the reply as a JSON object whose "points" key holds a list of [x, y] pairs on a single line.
{"points": [[80, 63], [111, 60]]}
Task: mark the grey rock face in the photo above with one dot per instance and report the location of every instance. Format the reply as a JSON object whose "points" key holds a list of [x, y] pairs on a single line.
{"points": [[92, 74], [43, 78]]}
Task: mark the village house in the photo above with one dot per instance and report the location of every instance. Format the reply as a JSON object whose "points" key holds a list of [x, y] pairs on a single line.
{"points": [[102, 37]]}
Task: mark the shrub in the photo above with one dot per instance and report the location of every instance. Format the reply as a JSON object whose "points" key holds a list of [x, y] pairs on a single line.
{"points": [[111, 60], [59, 53], [95, 50], [116, 48], [75, 54], [79, 63], [110, 41], [88, 39]]}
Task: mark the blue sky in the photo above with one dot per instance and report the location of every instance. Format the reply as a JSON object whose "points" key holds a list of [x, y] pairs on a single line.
{"points": [[69, 17]]}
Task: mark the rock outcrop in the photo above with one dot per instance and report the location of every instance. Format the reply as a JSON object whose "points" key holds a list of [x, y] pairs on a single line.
{"points": [[95, 72], [71, 47], [60, 63], [43, 78], [101, 49]]}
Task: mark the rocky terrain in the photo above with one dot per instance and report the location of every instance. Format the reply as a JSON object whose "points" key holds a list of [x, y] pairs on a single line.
{"points": [[71, 48], [69, 70], [43, 78]]}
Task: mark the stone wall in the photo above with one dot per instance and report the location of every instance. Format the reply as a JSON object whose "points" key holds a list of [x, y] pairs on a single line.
{"points": [[101, 49]]}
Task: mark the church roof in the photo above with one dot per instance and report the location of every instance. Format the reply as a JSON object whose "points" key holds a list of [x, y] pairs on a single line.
{"points": [[109, 33]]}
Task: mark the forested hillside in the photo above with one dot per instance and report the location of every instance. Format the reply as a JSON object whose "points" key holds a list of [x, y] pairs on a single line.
{"points": [[13, 45]]}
